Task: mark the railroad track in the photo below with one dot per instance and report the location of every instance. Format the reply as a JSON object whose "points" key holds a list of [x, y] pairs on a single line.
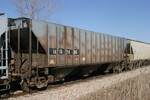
{"points": [[15, 94]]}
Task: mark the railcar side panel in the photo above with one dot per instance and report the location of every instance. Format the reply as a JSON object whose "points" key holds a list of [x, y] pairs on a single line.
{"points": [[120, 48], [52, 29], [40, 31], [88, 47], [117, 49], [106, 48], [98, 48], [69, 43], [110, 48], [113, 48], [102, 44], [125, 47], [93, 48], [39, 41], [68, 46], [62, 33], [76, 47], [82, 47]]}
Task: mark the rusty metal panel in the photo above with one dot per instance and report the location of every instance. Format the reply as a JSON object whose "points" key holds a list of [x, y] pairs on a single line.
{"points": [[88, 47], [102, 44], [125, 45], [52, 44], [106, 48], [93, 48], [82, 47], [62, 44], [110, 48], [76, 47], [120, 49], [69, 49], [123, 48], [117, 49], [85, 47], [98, 48], [114, 48]]}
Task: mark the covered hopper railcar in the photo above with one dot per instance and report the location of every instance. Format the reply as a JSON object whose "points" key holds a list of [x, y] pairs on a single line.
{"points": [[42, 52]]}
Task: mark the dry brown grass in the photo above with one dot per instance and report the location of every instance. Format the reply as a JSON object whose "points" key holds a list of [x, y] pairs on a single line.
{"points": [[137, 88]]}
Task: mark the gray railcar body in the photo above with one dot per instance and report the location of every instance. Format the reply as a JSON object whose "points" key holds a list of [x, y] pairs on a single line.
{"points": [[42, 52]]}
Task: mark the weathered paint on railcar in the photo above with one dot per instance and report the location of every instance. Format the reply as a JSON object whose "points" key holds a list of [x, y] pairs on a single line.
{"points": [[53, 43], [106, 48], [102, 44], [114, 48], [76, 39], [117, 49], [98, 50], [88, 48], [90, 45], [93, 38], [82, 47], [55, 51], [68, 46], [110, 48]]}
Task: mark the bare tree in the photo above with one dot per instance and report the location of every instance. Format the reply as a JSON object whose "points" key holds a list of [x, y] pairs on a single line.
{"points": [[37, 9]]}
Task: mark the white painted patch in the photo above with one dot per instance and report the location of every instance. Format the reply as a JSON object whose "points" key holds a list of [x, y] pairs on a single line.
{"points": [[51, 61], [83, 58]]}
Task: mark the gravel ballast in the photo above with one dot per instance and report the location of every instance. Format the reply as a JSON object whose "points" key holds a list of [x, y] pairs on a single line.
{"points": [[93, 88]]}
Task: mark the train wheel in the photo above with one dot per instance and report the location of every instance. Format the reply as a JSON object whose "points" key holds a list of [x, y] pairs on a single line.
{"points": [[24, 86], [42, 82], [116, 69], [130, 66]]}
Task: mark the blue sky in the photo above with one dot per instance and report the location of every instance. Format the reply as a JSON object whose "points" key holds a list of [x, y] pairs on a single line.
{"points": [[124, 18]]}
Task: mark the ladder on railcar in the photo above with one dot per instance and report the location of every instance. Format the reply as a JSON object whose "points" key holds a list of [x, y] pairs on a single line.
{"points": [[3, 48], [3, 63]]}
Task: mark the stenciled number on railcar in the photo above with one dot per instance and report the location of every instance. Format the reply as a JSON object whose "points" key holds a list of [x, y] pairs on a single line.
{"points": [[68, 51], [61, 51], [76, 51], [52, 51]]}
